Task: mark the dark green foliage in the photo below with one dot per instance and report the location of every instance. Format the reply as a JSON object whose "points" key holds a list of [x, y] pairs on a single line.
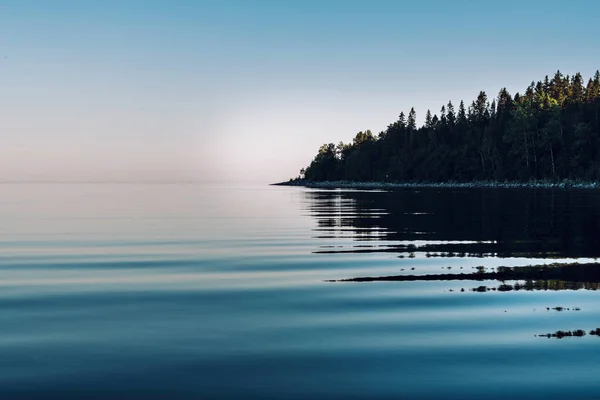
{"points": [[551, 132]]}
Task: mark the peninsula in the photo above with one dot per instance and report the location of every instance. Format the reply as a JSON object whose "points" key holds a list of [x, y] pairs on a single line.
{"points": [[548, 136]]}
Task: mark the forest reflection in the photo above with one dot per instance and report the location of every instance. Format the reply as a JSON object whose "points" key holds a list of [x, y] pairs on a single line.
{"points": [[530, 223]]}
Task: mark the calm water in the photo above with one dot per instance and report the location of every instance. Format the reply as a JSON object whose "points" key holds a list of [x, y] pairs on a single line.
{"points": [[190, 291]]}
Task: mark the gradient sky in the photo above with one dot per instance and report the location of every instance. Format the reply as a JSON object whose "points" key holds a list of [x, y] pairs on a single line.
{"points": [[248, 90]]}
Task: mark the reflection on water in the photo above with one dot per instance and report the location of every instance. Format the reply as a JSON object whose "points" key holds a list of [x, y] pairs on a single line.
{"points": [[465, 222], [191, 291], [531, 224], [555, 235]]}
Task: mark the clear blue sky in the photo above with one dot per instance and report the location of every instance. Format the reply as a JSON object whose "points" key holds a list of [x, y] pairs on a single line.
{"points": [[248, 90]]}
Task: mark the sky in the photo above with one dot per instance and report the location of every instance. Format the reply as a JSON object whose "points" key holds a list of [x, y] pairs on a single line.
{"points": [[247, 91]]}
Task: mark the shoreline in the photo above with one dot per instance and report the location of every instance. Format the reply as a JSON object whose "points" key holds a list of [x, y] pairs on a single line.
{"points": [[566, 184]]}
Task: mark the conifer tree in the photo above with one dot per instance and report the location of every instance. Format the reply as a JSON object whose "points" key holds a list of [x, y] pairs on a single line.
{"points": [[411, 124]]}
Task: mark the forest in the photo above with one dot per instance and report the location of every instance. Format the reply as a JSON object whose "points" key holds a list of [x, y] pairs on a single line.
{"points": [[551, 132]]}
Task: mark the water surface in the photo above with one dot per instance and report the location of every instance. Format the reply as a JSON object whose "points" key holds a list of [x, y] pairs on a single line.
{"points": [[196, 291]]}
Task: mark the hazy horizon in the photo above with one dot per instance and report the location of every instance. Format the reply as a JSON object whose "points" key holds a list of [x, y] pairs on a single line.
{"points": [[233, 92]]}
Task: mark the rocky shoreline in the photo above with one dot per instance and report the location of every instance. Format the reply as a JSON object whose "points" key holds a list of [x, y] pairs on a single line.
{"points": [[566, 184]]}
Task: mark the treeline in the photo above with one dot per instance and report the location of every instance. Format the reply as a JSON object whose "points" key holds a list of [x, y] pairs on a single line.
{"points": [[551, 132]]}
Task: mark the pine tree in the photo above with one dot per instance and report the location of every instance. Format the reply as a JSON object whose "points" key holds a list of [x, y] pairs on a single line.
{"points": [[402, 120], [481, 108], [462, 115], [546, 84], [428, 123], [577, 91], [451, 114], [411, 123], [557, 88]]}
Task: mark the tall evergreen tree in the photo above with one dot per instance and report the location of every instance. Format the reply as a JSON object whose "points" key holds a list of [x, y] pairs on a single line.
{"points": [[402, 120], [451, 114], [428, 123], [411, 124]]}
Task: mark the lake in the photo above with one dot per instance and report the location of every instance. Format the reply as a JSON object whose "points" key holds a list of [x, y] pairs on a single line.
{"points": [[197, 291]]}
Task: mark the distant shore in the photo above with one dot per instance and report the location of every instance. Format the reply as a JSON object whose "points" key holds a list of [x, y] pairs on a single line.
{"points": [[566, 184]]}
